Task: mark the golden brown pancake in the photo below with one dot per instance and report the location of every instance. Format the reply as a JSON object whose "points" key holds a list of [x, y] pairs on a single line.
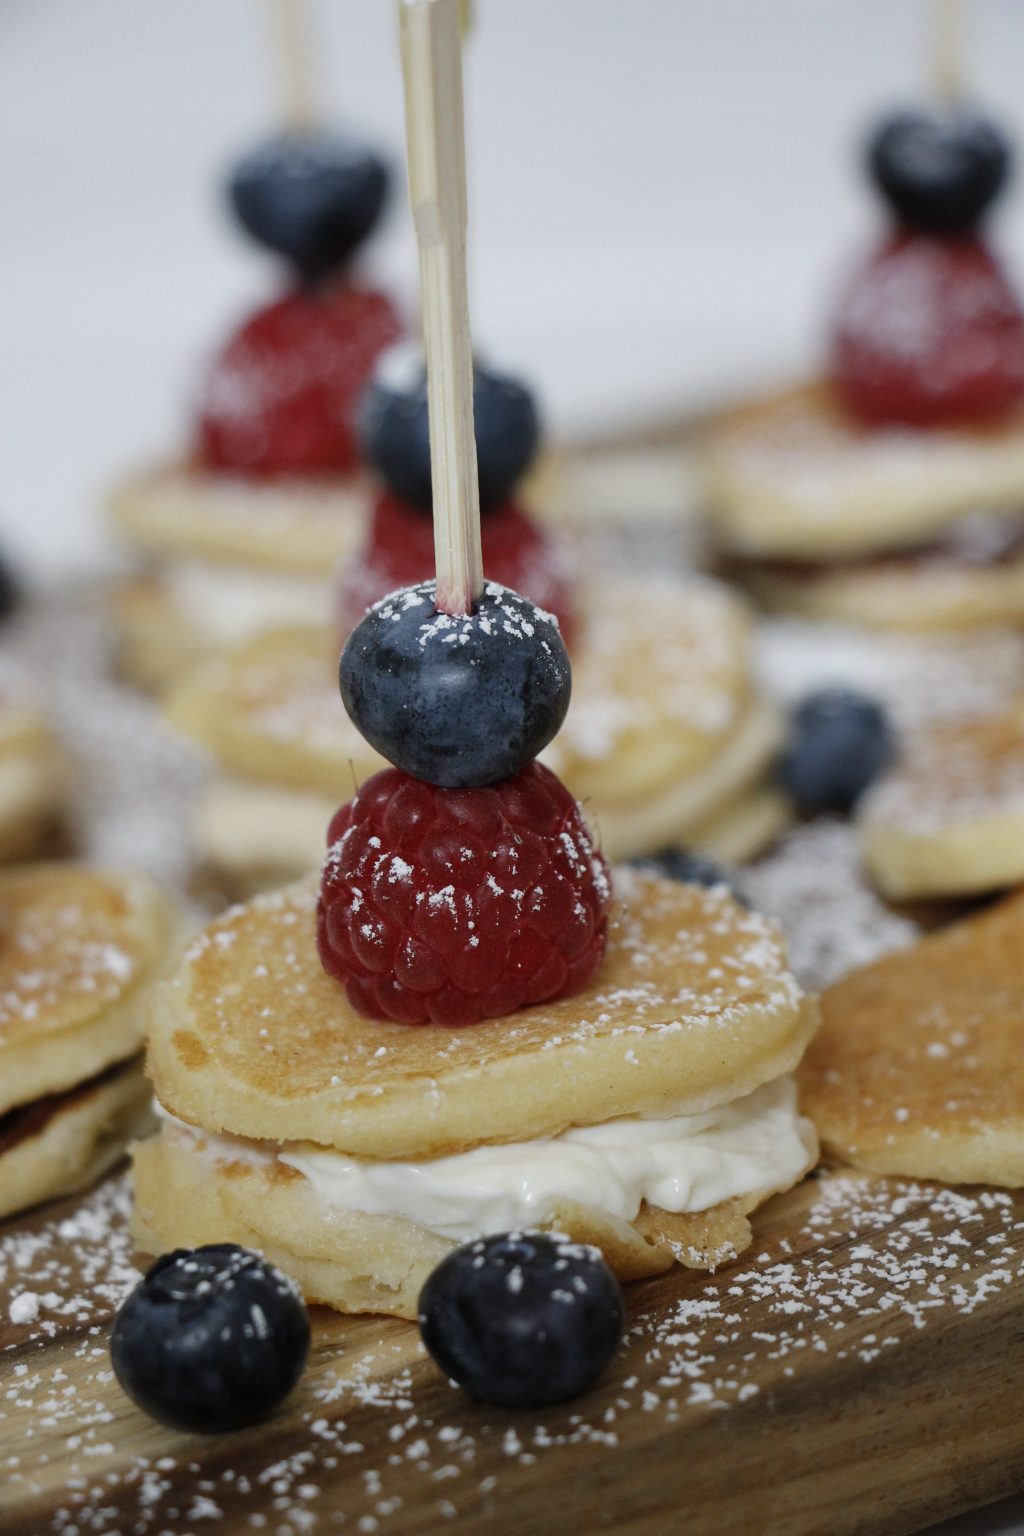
{"points": [[33, 783], [361, 1263], [949, 819], [64, 1142], [264, 1070], [226, 557], [693, 1006], [302, 526], [918, 1067], [79, 952], [793, 476]]}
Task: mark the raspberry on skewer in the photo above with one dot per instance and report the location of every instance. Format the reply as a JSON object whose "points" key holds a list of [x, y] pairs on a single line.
{"points": [[395, 441], [465, 885]]}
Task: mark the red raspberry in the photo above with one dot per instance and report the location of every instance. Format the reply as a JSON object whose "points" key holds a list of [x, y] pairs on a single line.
{"points": [[448, 906], [281, 395], [400, 552], [929, 332]]}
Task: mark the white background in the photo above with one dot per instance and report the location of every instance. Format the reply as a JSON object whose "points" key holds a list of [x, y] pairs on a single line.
{"points": [[663, 193]]}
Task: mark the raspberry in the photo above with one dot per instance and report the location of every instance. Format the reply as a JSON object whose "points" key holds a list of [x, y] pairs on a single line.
{"points": [[929, 332], [450, 906], [281, 395], [400, 553]]}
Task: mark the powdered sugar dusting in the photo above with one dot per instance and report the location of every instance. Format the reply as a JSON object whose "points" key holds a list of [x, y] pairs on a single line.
{"points": [[855, 1274]]}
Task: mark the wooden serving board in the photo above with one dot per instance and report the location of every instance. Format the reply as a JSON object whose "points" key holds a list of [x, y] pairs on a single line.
{"points": [[859, 1369]]}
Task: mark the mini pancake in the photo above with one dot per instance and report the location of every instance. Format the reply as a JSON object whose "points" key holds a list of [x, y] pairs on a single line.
{"points": [[79, 952], [916, 594], [33, 784], [693, 1006], [949, 819], [693, 1011], [64, 1142], [793, 477], [301, 526], [190, 1190], [227, 557], [665, 732], [918, 1069]]}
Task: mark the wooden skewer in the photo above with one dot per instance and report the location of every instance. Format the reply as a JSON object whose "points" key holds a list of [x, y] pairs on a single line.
{"points": [[947, 64], [296, 63], [436, 149]]}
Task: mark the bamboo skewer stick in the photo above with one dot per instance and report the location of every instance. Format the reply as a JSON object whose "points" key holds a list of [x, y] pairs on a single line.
{"points": [[947, 50], [435, 138], [295, 60]]}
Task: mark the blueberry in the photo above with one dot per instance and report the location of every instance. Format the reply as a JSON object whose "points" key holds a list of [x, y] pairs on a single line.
{"points": [[310, 197], [690, 868], [210, 1339], [10, 591], [458, 702], [839, 742], [522, 1320], [939, 170], [395, 437]]}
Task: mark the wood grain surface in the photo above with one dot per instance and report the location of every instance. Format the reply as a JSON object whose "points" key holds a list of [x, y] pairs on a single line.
{"points": [[859, 1369]]}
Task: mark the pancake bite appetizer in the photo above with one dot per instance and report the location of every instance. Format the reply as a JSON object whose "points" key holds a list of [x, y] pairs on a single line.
{"points": [[79, 952], [245, 528], [890, 492], [465, 1030], [667, 739]]}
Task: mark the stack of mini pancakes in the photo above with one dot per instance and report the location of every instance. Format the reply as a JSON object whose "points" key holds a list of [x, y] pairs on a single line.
{"points": [[356, 1153], [905, 528], [224, 558], [79, 952], [668, 738]]}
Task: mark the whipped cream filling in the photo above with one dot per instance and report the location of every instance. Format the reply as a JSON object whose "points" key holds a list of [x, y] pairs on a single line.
{"points": [[679, 1162], [235, 602]]}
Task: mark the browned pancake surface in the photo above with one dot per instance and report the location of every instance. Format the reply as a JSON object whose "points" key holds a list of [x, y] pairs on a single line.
{"points": [[919, 1064], [694, 1004]]}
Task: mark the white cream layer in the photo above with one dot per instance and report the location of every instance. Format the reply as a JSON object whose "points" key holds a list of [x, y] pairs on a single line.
{"points": [[235, 602], [678, 1162]]}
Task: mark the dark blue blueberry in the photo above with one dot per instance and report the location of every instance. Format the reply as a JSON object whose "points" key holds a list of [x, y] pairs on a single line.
{"points": [[459, 702], [210, 1339], [691, 868], [311, 198], [839, 742], [522, 1320], [395, 437], [10, 591], [939, 169]]}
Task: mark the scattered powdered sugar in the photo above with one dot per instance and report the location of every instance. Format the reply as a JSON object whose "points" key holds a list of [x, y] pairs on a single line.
{"points": [[373, 1433], [814, 887], [134, 779]]}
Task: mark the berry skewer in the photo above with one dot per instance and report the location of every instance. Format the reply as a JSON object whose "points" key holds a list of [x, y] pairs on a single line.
{"points": [[490, 893]]}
